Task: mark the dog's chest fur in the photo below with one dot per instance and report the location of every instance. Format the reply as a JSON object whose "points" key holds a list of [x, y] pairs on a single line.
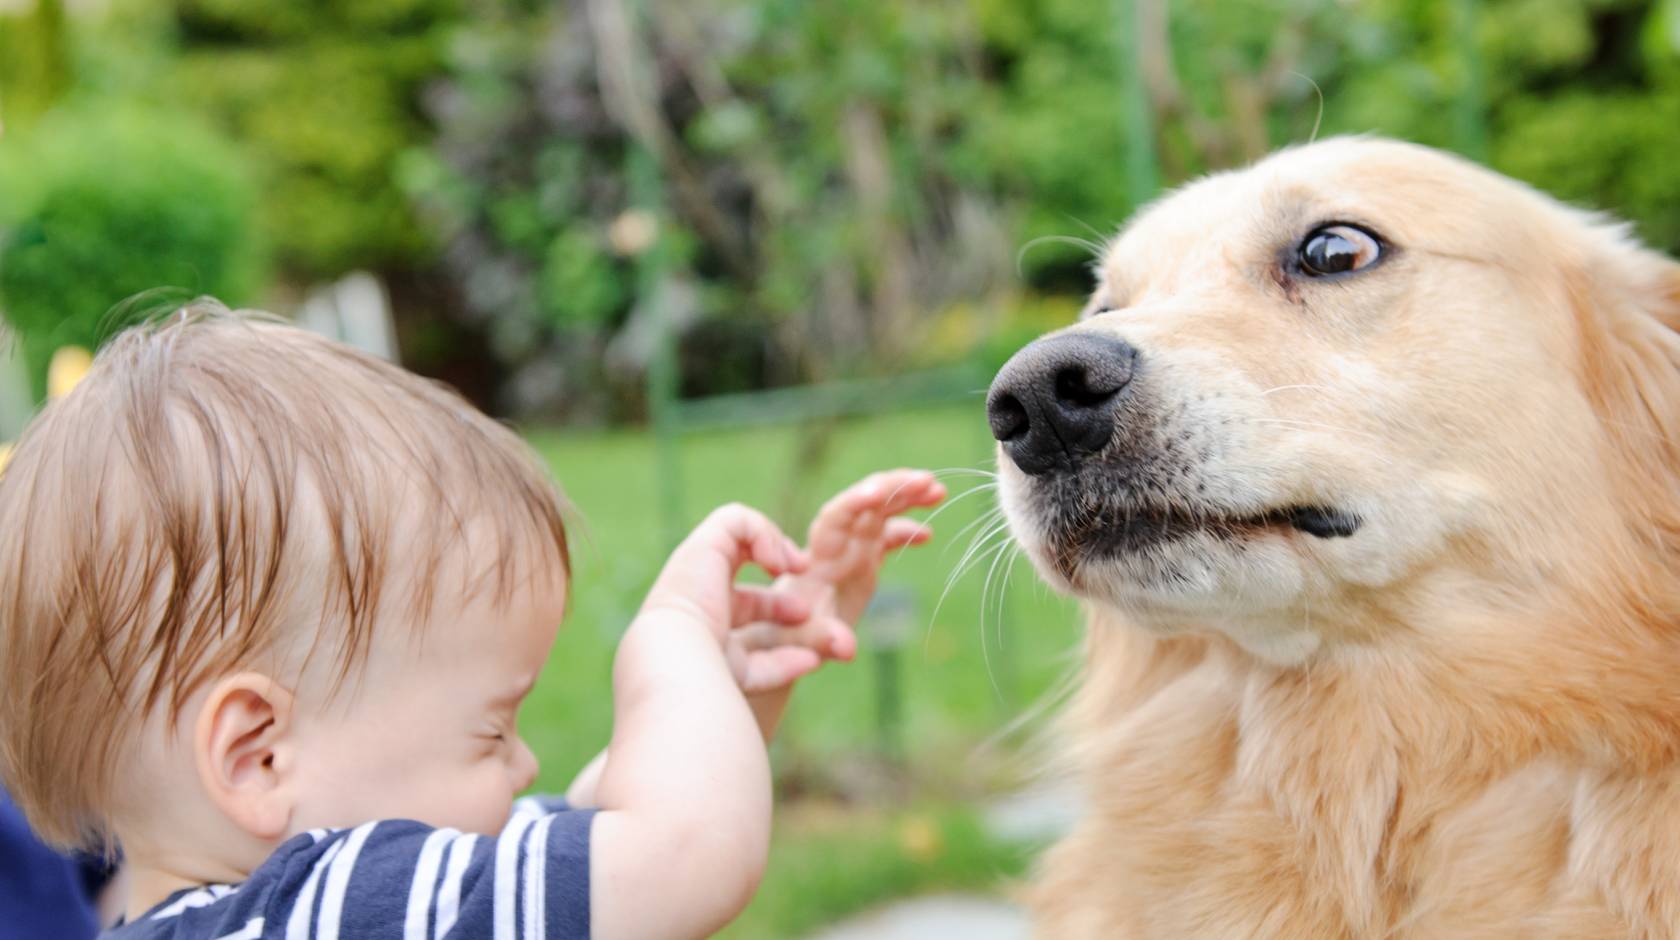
{"points": [[1232, 801]]}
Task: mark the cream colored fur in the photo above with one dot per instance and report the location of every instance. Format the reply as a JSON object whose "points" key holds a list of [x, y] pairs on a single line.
{"points": [[1464, 720]]}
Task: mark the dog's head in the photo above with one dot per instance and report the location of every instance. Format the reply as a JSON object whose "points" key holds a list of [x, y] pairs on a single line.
{"points": [[1360, 376]]}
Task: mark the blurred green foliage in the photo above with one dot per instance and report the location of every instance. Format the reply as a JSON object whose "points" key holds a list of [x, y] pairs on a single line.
{"points": [[102, 204], [34, 60], [823, 187], [325, 96]]}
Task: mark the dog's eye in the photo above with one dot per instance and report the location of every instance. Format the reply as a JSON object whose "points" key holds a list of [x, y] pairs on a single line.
{"points": [[1098, 307], [1337, 249]]}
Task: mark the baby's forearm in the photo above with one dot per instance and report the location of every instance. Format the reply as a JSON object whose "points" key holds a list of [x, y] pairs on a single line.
{"points": [[767, 708], [687, 779], [581, 794]]}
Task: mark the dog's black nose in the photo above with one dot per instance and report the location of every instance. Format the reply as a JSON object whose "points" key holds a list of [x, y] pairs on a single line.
{"points": [[1053, 403]]}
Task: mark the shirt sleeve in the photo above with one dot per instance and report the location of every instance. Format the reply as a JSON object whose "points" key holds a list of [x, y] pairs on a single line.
{"points": [[406, 880], [541, 804]]}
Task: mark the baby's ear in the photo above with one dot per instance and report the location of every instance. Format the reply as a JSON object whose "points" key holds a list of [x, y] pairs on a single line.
{"points": [[239, 743]]}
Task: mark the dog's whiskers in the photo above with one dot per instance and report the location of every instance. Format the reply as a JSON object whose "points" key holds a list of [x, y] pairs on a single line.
{"points": [[982, 521], [1284, 388], [992, 524], [996, 554], [963, 471], [980, 488]]}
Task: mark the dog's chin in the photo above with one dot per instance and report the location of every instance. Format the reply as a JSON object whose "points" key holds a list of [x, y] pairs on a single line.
{"points": [[1156, 567], [1154, 562]]}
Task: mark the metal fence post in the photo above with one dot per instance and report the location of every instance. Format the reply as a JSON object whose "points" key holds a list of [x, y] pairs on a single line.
{"points": [[888, 622], [1142, 173], [662, 378], [647, 194], [1470, 110]]}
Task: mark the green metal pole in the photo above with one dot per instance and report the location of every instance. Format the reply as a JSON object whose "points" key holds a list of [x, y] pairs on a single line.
{"points": [[662, 392], [1470, 110], [647, 193], [1142, 173], [889, 708]]}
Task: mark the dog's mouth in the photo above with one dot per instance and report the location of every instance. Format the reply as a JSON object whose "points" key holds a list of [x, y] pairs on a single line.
{"points": [[1122, 531]]}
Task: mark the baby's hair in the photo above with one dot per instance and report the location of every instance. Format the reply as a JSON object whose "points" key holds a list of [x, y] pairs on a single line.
{"points": [[224, 490]]}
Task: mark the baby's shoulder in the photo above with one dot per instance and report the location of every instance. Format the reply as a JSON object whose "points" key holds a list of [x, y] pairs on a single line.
{"points": [[396, 878]]}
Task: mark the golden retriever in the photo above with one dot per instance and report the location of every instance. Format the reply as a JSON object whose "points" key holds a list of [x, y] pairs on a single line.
{"points": [[1366, 461]]}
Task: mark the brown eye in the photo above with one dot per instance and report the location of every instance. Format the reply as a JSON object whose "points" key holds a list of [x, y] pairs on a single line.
{"points": [[1337, 249]]}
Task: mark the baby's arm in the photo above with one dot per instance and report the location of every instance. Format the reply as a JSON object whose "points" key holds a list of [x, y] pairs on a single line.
{"points": [[850, 537], [682, 837]]}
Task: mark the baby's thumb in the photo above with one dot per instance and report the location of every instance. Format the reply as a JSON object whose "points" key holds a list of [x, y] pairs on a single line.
{"points": [[771, 669]]}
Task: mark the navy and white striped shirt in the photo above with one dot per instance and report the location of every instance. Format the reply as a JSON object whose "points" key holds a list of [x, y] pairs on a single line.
{"points": [[400, 880]]}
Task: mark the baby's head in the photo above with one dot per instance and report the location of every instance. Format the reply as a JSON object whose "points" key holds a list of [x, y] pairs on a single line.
{"points": [[253, 582]]}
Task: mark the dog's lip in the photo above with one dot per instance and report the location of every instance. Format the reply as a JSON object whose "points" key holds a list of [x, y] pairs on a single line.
{"points": [[1325, 522], [1140, 527]]}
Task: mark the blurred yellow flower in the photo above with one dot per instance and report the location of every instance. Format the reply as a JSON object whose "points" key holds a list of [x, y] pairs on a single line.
{"points": [[920, 838], [68, 366]]}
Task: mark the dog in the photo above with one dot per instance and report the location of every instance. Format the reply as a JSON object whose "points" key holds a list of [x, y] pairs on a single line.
{"points": [[1366, 462]]}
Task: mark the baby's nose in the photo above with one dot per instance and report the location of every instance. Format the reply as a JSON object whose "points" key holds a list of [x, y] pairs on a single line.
{"points": [[524, 765]]}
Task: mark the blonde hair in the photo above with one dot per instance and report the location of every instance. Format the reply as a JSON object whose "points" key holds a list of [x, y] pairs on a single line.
{"points": [[219, 486]]}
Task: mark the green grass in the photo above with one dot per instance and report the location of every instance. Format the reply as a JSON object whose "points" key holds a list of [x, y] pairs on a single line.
{"points": [[965, 672], [828, 863]]}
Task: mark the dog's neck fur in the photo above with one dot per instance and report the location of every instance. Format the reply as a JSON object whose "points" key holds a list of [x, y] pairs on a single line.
{"points": [[1354, 773]]}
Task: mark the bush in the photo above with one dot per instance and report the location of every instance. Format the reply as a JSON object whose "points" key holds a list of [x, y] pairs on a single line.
{"points": [[327, 95], [98, 206]]}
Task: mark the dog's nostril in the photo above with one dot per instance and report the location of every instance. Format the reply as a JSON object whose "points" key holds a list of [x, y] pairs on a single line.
{"points": [[1008, 417], [1075, 386], [1056, 402]]}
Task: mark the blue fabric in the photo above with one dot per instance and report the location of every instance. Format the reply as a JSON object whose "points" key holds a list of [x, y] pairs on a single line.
{"points": [[392, 879], [43, 895]]}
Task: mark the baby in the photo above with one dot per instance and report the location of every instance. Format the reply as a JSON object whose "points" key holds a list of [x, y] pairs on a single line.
{"points": [[268, 609]]}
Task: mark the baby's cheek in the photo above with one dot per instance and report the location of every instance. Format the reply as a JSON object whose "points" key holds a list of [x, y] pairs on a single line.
{"points": [[490, 799]]}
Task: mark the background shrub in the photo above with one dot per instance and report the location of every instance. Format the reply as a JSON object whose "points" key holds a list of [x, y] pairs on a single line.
{"points": [[102, 204]]}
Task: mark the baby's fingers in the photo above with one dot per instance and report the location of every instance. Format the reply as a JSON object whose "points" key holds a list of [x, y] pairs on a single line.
{"points": [[911, 489], [767, 605], [903, 533], [861, 507], [777, 668], [750, 536], [828, 637], [840, 642]]}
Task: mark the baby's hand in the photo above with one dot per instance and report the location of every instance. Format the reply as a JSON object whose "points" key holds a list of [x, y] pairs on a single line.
{"points": [[698, 582], [849, 539], [853, 533]]}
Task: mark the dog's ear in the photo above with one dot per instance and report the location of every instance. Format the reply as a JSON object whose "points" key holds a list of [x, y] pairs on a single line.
{"points": [[1629, 305], [1624, 286]]}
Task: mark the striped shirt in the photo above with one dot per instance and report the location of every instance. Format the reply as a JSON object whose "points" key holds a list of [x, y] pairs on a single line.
{"points": [[399, 880]]}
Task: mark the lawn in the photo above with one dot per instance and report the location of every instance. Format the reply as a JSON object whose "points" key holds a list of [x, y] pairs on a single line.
{"points": [[870, 806]]}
